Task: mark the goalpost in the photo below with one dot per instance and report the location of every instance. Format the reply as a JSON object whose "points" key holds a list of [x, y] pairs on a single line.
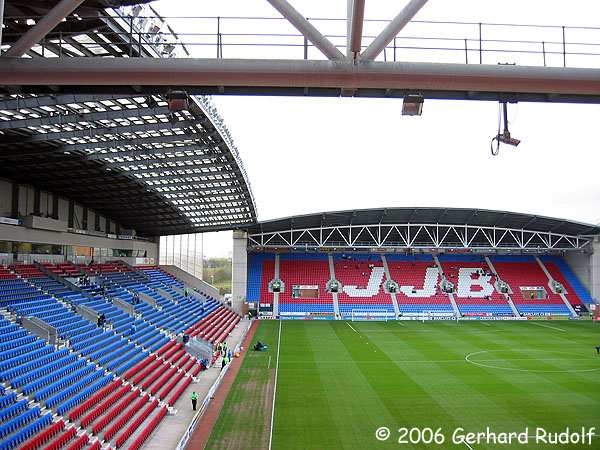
{"points": [[371, 314]]}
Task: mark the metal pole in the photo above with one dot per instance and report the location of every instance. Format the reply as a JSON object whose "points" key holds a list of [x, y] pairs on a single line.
{"points": [[544, 52], [356, 26], [480, 49], [466, 52], [305, 48], [1, 22], [218, 36], [130, 36], [43, 27], [349, 6], [564, 48]]}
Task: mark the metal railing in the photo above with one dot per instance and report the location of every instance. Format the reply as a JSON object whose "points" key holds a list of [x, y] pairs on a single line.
{"points": [[275, 38]]}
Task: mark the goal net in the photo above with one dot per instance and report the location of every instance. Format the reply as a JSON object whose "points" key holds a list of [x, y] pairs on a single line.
{"points": [[371, 314]]}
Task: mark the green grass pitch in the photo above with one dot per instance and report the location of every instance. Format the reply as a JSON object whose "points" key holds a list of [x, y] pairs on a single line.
{"points": [[338, 382]]}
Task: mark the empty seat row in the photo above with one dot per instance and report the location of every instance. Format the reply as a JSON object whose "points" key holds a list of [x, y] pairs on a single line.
{"points": [[14, 423], [43, 437], [57, 371], [26, 432], [40, 360]]}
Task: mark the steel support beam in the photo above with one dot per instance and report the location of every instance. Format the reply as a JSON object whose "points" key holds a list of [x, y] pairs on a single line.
{"points": [[95, 132], [307, 29], [356, 26], [59, 119], [349, 4], [54, 100], [195, 187], [392, 29], [192, 177], [176, 170], [511, 80], [132, 164], [43, 27], [171, 149], [118, 143], [14, 201]]}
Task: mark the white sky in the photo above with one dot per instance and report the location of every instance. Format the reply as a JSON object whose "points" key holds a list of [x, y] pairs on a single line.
{"points": [[307, 155]]}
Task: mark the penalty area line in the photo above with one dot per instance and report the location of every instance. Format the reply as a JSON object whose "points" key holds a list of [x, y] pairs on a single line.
{"points": [[275, 388]]}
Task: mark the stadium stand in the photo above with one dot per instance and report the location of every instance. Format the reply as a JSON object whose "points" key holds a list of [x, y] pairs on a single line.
{"points": [[261, 272], [523, 273], [474, 290], [363, 278], [298, 269], [255, 276], [82, 380], [418, 278], [576, 292]]}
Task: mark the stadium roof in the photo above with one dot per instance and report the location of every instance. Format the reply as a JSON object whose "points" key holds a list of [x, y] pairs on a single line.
{"points": [[422, 228], [447, 216], [130, 157]]}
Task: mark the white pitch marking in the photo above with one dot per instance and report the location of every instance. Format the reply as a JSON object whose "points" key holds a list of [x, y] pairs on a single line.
{"points": [[548, 326], [275, 387], [348, 323], [441, 361], [269, 364]]}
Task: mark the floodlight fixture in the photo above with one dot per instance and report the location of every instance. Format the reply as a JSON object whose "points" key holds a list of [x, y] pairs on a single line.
{"points": [[412, 105], [177, 101]]}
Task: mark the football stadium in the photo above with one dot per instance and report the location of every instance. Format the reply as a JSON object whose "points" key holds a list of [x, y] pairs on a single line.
{"points": [[362, 327]]}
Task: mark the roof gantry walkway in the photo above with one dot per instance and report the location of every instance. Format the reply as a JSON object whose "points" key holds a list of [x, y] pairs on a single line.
{"points": [[288, 54]]}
